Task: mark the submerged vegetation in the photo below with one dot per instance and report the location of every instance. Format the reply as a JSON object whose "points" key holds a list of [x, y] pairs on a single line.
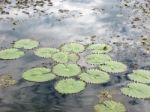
{"points": [[6, 81]]}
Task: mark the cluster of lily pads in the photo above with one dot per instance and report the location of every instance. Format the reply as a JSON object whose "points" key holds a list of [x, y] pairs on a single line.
{"points": [[74, 78], [139, 88]]}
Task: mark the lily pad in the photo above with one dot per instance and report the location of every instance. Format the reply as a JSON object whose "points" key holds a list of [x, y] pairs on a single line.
{"points": [[46, 52], [140, 75], [64, 57], [61, 57], [69, 86], [73, 57], [110, 106], [73, 47], [94, 76], [26, 44], [66, 70], [100, 48], [113, 67], [11, 54], [97, 58], [136, 90], [39, 74]]}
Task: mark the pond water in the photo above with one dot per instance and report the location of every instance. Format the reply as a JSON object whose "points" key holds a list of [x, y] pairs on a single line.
{"points": [[83, 21]]}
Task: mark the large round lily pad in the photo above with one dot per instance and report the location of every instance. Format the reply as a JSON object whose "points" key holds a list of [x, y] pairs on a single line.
{"points": [[26, 44], [110, 106], [66, 70], [113, 67], [11, 53], [140, 75], [97, 58], [39, 74], [73, 47], [136, 90], [46, 52], [69, 86], [94, 76]]}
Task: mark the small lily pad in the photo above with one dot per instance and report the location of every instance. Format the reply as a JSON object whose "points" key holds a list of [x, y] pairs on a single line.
{"points": [[94, 76], [61, 57], [46, 52], [26, 44], [113, 67], [136, 90], [99, 48], [73, 47], [73, 57], [64, 57], [110, 106], [39, 74], [69, 86], [66, 70], [11, 53], [97, 58], [140, 75]]}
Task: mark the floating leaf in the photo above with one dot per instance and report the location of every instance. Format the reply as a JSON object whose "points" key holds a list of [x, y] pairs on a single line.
{"points": [[113, 67], [136, 90], [66, 70], [46, 52], [100, 48], [140, 75], [61, 57], [39, 74], [11, 54], [69, 86], [64, 57], [97, 58], [73, 57], [26, 44], [110, 106], [73, 47], [94, 76]]}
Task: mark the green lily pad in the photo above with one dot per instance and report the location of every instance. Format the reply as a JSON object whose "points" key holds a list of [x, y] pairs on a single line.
{"points": [[100, 48], [73, 57], [140, 75], [64, 57], [94, 76], [46, 52], [97, 58], [26, 44], [39, 74], [11, 53], [73, 47], [113, 67], [69, 86], [60, 57], [136, 90], [110, 106], [66, 70]]}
